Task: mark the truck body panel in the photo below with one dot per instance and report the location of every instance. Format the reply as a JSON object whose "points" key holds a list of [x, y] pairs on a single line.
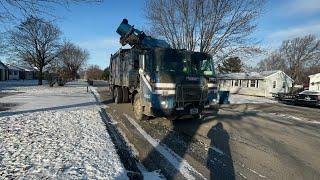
{"points": [[170, 82]]}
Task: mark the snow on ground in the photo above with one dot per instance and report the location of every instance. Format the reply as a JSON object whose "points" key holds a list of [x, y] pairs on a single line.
{"points": [[243, 99], [42, 98], [56, 133], [16, 85], [291, 117]]}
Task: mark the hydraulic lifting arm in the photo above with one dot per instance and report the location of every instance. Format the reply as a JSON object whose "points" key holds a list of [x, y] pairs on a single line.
{"points": [[134, 37]]}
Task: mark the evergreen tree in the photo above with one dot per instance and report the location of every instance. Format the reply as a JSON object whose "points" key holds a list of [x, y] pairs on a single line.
{"points": [[231, 65]]}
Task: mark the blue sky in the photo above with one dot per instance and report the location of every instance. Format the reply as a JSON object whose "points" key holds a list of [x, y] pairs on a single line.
{"points": [[288, 19], [93, 26]]}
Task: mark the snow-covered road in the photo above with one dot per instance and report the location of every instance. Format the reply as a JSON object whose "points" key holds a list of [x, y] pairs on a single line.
{"points": [[56, 133]]}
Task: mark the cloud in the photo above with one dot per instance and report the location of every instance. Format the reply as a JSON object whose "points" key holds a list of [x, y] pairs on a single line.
{"points": [[301, 7], [295, 32]]}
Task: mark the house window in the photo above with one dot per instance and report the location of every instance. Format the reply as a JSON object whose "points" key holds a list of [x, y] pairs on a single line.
{"points": [[10, 72], [257, 83], [252, 83], [236, 83], [224, 82], [274, 84], [284, 85], [240, 82], [247, 83], [231, 82]]}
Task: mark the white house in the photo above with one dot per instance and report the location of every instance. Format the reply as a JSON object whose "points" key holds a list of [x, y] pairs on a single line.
{"points": [[314, 82], [17, 72], [28, 73], [14, 72], [3, 72], [256, 83]]}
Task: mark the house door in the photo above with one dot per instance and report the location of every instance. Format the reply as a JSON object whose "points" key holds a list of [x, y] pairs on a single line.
{"points": [[6, 75]]}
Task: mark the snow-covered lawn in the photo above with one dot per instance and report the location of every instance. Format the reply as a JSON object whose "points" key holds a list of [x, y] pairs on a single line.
{"points": [[56, 133], [12, 85], [243, 99], [43, 98]]}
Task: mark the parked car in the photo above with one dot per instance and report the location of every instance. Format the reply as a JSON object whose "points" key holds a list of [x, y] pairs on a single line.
{"points": [[288, 97], [308, 97]]}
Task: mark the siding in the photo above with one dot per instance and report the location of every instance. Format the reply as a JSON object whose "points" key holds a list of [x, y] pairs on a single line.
{"points": [[315, 82], [29, 75], [245, 88], [14, 74], [263, 87], [283, 83], [3, 72]]}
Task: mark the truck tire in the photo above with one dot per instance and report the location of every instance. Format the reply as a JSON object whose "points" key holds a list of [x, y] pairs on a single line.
{"points": [[172, 118], [118, 95], [137, 108], [197, 116], [125, 93]]}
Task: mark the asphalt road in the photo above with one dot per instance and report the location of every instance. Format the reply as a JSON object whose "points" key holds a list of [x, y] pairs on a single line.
{"points": [[247, 141]]}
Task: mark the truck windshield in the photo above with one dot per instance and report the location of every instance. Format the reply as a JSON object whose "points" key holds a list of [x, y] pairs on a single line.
{"points": [[169, 61], [198, 64], [184, 63]]}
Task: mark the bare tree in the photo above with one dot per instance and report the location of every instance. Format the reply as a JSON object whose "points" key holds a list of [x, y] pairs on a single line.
{"points": [[273, 62], [94, 72], [212, 26], [298, 57], [72, 58], [36, 42], [106, 73], [13, 9], [298, 53], [2, 44]]}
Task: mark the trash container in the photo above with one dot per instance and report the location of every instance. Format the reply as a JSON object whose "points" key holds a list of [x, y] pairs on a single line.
{"points": [[224, 97], [90, 82]]}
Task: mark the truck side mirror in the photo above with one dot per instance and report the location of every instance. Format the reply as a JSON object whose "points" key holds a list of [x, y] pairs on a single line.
{"points": [[142, 60]]}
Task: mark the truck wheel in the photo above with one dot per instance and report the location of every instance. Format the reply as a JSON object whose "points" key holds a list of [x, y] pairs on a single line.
{"points": [[137, 108], [172, 118], [197, 116], [125, 94], [118, 95]]}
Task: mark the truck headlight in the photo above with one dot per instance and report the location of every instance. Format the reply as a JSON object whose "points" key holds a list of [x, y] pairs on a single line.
{"points": [[164, 104], [214, 101]]}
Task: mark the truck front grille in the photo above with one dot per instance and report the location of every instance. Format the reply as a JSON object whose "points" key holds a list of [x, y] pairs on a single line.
{"points": [[190, 93]]}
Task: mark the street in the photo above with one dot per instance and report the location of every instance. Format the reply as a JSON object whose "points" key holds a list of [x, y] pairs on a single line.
{"points": [[244, 141], [157, 90]]}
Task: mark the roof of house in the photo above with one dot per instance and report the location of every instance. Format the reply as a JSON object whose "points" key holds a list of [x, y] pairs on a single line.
{"points": [[1, 63], [28, 69], [13, 67], [248, 75], [21, 68], [313, 75]]}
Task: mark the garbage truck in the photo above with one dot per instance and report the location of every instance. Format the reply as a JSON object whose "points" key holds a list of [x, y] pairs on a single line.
{"points": [[159, 80]]}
